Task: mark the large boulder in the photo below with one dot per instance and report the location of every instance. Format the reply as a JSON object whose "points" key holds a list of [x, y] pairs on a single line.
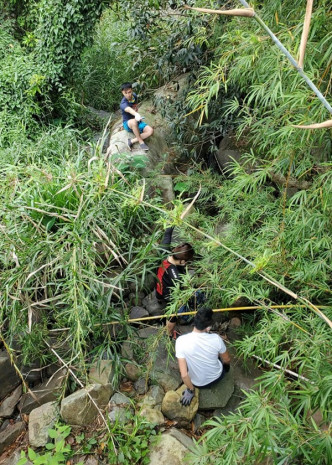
{"points": [[8, 376], [41, 420], [219, 394], [170, 449], [48, 391], [10, 434], [101, 372], [8, 405], [173, 410], [79, 409]]}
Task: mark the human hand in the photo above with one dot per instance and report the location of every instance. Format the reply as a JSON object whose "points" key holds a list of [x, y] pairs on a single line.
{"points": [[138, 117], [187, 397]]}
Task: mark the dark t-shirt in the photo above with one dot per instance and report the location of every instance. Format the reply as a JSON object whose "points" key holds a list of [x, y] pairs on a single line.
{"points": [[167, 274], [124, 104]]}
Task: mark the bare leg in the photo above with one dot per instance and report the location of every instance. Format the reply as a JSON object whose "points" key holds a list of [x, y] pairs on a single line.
{"points": [[147, 132], [132, 123], [170, 327]]}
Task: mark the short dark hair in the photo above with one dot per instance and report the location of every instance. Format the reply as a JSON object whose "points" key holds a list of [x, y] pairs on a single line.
{"points": [[183, 252], [126, 85], [203, 318]]}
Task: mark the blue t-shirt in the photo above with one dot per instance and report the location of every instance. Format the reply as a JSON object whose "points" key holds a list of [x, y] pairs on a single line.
{"points": [[124, 104]]}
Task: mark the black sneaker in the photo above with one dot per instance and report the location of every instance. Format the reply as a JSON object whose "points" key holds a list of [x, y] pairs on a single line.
{"points": [[144, 147], [130, 144]]}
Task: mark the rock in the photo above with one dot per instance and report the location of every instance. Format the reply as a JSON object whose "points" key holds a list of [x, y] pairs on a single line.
{"points": [[168, 450], [14, 458], [48, 391], [138, 312], [228, 152], [173, 410], [101, 372], [182, 438], [120, 399], [141, 386], [152, 416], [41, 420], [165, 370], [10, 434], [235, 322], [78, 409], [8, 405], [152, 305], [144, 333], [91, 461], [198, 421], [132, 371], [165, 184], [127, 350], [9, 380], [120, 414], [219, 394], [154, 397]]}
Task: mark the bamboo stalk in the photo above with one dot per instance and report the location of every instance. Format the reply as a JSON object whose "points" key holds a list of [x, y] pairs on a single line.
{"points": [[283, 49], [305, 32], [325, 124], [290, 372], [248, 12]]}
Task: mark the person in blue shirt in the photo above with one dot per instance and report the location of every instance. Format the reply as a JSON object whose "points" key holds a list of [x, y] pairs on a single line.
{"points": [[132, 120]]}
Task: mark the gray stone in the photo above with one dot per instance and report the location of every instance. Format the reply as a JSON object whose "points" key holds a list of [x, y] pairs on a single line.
{"points": [[138, 312], [14, 458], [182, 438], [101, 372], [91, 460], [173, 410], [144, 333], [154, 397], [10, 434], [8, 377], [198, 421], [127, 350], [141, 386], [48, 391], [152, 305], [120, 414], [41, 420], [78, 408], [168, 450], [120, 399], [219, 394], [165, 183], [8, 405], [152, 415], [132, 371], [165, 370]]}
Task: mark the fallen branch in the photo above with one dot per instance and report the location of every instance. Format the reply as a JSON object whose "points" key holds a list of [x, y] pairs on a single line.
{"points": [[325, 124], [248, 12], [290, 372], [305, 32]]}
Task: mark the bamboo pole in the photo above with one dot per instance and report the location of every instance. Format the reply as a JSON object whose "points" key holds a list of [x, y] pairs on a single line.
{"points": [[305, 32], [325, 124], [248, 12], [283, 49], [290, 372]]}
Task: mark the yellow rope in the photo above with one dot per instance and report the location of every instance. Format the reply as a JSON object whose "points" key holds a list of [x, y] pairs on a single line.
{"points": [[216, 310]]}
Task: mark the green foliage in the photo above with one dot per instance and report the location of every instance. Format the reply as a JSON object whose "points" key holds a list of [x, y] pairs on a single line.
{"points": [[105, 65], [64, 28], [130, 443], [58, 451]]}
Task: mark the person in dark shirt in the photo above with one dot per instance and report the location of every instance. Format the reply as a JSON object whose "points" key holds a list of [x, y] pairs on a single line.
{"points": [[169, 273], [132, 120]]}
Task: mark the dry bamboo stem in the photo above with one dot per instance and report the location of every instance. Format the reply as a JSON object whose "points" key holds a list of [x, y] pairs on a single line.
{"points": [[305, 32], [325, 124], [248, 12], [292, 373]]}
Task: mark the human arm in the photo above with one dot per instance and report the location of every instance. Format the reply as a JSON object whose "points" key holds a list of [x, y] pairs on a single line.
{"points": [[184, 373], [226, 360], [167, 239], [189, 393]]}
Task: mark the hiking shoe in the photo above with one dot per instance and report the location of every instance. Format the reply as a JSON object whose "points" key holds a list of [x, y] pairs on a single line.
{"points": [[144, 147], [130, 144]]}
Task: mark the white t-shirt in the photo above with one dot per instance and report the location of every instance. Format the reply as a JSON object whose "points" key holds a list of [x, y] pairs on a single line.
{"points": [[201, 352]]}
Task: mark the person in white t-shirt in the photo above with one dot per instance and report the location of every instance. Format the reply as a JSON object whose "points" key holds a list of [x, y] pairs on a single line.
{"points": [[202, 356]]}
